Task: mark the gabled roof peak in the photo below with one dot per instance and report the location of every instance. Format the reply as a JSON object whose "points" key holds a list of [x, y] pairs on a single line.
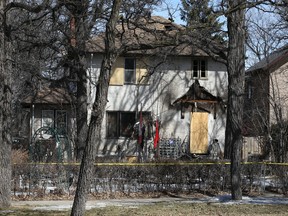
{"points": [[278, 57]]}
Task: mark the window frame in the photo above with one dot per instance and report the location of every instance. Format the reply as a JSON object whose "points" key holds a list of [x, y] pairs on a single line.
{"points": [[60, 129], [199, 69], [53, 115], [132, 79], [117, 125]]}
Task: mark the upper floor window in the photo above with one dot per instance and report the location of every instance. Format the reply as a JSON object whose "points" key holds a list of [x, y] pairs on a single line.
{"points": [[199, 69], [130, 70]]}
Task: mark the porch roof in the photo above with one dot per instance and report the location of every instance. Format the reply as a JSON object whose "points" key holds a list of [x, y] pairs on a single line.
{"points": [[49, 96], [197, 93]]}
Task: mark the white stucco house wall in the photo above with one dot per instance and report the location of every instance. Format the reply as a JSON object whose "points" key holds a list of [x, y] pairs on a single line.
{"points": [[151, 81]]}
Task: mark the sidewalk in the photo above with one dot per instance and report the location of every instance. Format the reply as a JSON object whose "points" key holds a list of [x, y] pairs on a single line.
{"points": [[224, 199], [67, 204]]}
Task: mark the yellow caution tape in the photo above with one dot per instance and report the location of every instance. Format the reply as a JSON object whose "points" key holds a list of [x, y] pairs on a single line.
{"points": [[156, 163]]}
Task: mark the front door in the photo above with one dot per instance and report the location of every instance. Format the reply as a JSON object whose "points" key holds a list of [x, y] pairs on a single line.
{"points": [[199, 132]]}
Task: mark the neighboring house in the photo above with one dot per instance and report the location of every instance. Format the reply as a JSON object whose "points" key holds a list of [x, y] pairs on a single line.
{"points": [[52, 124], [180, 86], [266, 102]]}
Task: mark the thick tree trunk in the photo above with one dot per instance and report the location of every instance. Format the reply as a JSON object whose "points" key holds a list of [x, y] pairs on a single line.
{"points": [[236, 75], [81, 113], [5, 115], [78, 71], [94, 130]]}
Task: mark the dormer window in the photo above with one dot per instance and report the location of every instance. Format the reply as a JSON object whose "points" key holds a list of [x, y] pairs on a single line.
{"points": [[168, 28], [199, 69]]}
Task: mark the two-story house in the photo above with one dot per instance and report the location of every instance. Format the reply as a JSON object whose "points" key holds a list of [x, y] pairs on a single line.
{"points": [[266, 104], [179, 85], [154, 79]]}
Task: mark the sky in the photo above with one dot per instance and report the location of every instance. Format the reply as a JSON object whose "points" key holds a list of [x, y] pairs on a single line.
{"points": [[174, 7]]}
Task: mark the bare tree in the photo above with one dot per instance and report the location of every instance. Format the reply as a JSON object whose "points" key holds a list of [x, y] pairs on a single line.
{"points": [[265, 34], [236, 70], [210, 38], [266, 38], [265, 105], [5, 109], [94, 132]]}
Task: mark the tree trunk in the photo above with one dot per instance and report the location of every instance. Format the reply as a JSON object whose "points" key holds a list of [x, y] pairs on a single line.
{"points": [[98, 110], [81, 113], [78, 71], [236, 75], [5, 113]]}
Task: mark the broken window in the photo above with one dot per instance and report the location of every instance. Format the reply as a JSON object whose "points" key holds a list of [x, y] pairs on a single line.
{"points": [[127, 121], [121, 123]]}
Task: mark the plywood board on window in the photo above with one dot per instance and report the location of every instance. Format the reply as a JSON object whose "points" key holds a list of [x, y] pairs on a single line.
{"points": [[199, 132], [117, 77], [141, 71]]}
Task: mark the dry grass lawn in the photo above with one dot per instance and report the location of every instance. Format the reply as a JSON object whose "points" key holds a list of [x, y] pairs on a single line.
{"points": [[164, 209]]}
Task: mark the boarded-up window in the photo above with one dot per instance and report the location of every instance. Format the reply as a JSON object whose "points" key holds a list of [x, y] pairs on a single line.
{"points": [[129, 71], [142, 72], [117, 77], [199, 132]]}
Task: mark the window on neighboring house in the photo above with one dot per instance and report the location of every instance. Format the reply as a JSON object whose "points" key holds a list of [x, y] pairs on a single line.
{"points": [[47, 118], [121, 123], [199, 69], [61, 121], [130, 70], [249, 90], [55, 119]]}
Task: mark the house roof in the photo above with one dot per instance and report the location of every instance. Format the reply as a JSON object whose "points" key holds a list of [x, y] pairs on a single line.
{"points": [[147, 36], [278, 57], [197, 93], [49, 96]]}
